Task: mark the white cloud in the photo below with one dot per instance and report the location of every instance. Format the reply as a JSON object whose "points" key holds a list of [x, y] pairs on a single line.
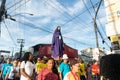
{"points": [[42, 8], [4, 34], [38, 39], [103, 18], [78, 6]]}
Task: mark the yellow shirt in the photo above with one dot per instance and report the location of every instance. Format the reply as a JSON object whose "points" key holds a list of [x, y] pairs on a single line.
{"points": [[39, 66], [82, 69]]}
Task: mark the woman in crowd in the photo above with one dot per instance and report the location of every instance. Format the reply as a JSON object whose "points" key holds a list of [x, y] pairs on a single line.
{"points": [[73, 74], [88, 71], [27, 67], [13, 72], [49, 72], [82, 71], [40, 64]]}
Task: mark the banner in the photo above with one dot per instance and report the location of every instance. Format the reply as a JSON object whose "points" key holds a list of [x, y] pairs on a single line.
{"points": [[45, 50]]}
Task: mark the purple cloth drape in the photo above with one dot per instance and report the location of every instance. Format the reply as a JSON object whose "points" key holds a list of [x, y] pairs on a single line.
{"points": [[57, 44]]}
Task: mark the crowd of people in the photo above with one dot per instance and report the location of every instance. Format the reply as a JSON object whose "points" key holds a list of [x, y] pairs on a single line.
{"points": [[48, 69]]}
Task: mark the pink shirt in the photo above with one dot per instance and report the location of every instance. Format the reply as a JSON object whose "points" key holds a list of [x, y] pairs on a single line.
{"points": [[45, 74]]}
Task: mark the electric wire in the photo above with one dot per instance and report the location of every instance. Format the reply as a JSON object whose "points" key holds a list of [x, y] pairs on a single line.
{"points": [[101, 25], [97, 27], [36, 27], [44, 30], [9, 34], [65, 23], [19, 6], [14, 4], [63, 36], [87, 9], [76, 17], [73, 18], [97, 18]]}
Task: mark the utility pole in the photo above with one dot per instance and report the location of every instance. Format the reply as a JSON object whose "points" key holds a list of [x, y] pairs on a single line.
{"points": [[95, 28], [2, 12], [21, 41], [95, 24], [12, 51]]}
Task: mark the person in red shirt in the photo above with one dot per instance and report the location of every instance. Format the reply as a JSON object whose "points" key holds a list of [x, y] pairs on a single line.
{"points": [[95, 71]]}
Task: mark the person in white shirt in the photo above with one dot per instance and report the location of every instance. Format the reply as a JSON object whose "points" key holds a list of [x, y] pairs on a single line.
{"points": [[27, 67]]}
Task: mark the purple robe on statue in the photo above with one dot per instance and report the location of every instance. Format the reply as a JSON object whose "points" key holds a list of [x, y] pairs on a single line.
{"points": [[57, 44]]}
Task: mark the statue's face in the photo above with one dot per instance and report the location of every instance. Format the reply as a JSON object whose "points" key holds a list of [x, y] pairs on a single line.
{"points": [[58, 28]]}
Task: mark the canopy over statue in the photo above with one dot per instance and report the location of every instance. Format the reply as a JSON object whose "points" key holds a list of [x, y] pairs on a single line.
{"points": [[57, 44]]}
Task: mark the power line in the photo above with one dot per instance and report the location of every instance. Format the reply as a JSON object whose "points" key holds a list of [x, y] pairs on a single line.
{"points": [[34, 26], [87, 9], [57, 9], [77, 41], [102, 37], [96, 24], [100, 24], [77, 16], [98, 18], [52, 33], [9, 34], [71, 16], [41, 28], [14, 4], [19, 6]]}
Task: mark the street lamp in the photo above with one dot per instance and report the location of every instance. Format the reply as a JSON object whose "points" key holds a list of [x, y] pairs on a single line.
{"points": [[13, 19], [21, 41], [22, 13]]}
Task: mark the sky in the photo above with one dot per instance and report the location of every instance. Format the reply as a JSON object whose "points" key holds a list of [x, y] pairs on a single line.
{"points": [[76, 18]]}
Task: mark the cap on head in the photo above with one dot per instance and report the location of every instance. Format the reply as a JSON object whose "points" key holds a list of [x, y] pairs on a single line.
{"points": [[65, 56]]}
